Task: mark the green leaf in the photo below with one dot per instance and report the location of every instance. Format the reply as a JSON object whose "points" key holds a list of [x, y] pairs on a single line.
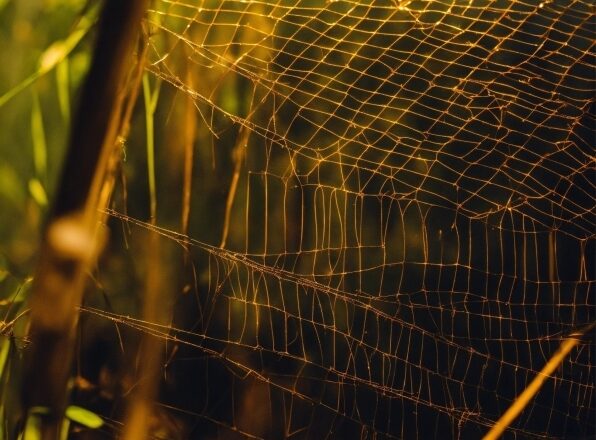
{"points": [[38, 136], [65, 429], [38, 192], [53, 55], [32, 427], [84, 417], [151, 98], [63, 87], [4, 350], [59, 50]]}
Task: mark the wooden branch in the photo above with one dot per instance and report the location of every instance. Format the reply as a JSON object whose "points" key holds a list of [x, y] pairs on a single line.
{"points": [[70, 241]]}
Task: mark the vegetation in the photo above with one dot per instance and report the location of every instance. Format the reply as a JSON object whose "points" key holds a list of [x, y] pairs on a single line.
{"points": [[346, 219]]}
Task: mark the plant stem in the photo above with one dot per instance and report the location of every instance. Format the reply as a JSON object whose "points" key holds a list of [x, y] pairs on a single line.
{"points": [[70, 241]]}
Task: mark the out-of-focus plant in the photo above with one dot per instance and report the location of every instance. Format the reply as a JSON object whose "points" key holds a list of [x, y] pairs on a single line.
{"points": [[42, 62]]}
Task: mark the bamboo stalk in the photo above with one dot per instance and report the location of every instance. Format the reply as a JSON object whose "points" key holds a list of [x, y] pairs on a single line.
{"points": [[71, 238]]}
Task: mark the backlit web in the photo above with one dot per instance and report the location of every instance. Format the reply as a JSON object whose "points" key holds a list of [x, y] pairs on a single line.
{"points": [[392, 216]]}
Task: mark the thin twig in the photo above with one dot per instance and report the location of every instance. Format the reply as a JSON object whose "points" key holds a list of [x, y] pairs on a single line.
{"points": [[524, 398]]}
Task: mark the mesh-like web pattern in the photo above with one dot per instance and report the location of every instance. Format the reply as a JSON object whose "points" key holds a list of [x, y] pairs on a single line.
{"points": [[412, 232]]}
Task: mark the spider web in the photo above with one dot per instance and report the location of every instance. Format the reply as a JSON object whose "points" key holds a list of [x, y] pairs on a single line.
{"points": [[411, 231]]}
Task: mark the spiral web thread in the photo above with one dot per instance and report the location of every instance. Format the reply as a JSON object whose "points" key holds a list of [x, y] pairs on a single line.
{"points": [[412, 231]]}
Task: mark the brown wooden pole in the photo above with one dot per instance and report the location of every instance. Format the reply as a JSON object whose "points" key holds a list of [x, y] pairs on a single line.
{"points": [[70, 241]]}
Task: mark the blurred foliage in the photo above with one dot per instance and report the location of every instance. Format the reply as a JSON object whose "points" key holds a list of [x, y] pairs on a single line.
{"points": [[44, 54], [34, 37], [383, 260]]}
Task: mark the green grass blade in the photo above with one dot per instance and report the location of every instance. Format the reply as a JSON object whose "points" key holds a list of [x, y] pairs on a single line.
{"points": [[40, 150], [150, 98], [4, 350], [19, 88], [63, 86], [64, 431], [32, 427], [84, 417], [53, 55], [38, 192]]}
